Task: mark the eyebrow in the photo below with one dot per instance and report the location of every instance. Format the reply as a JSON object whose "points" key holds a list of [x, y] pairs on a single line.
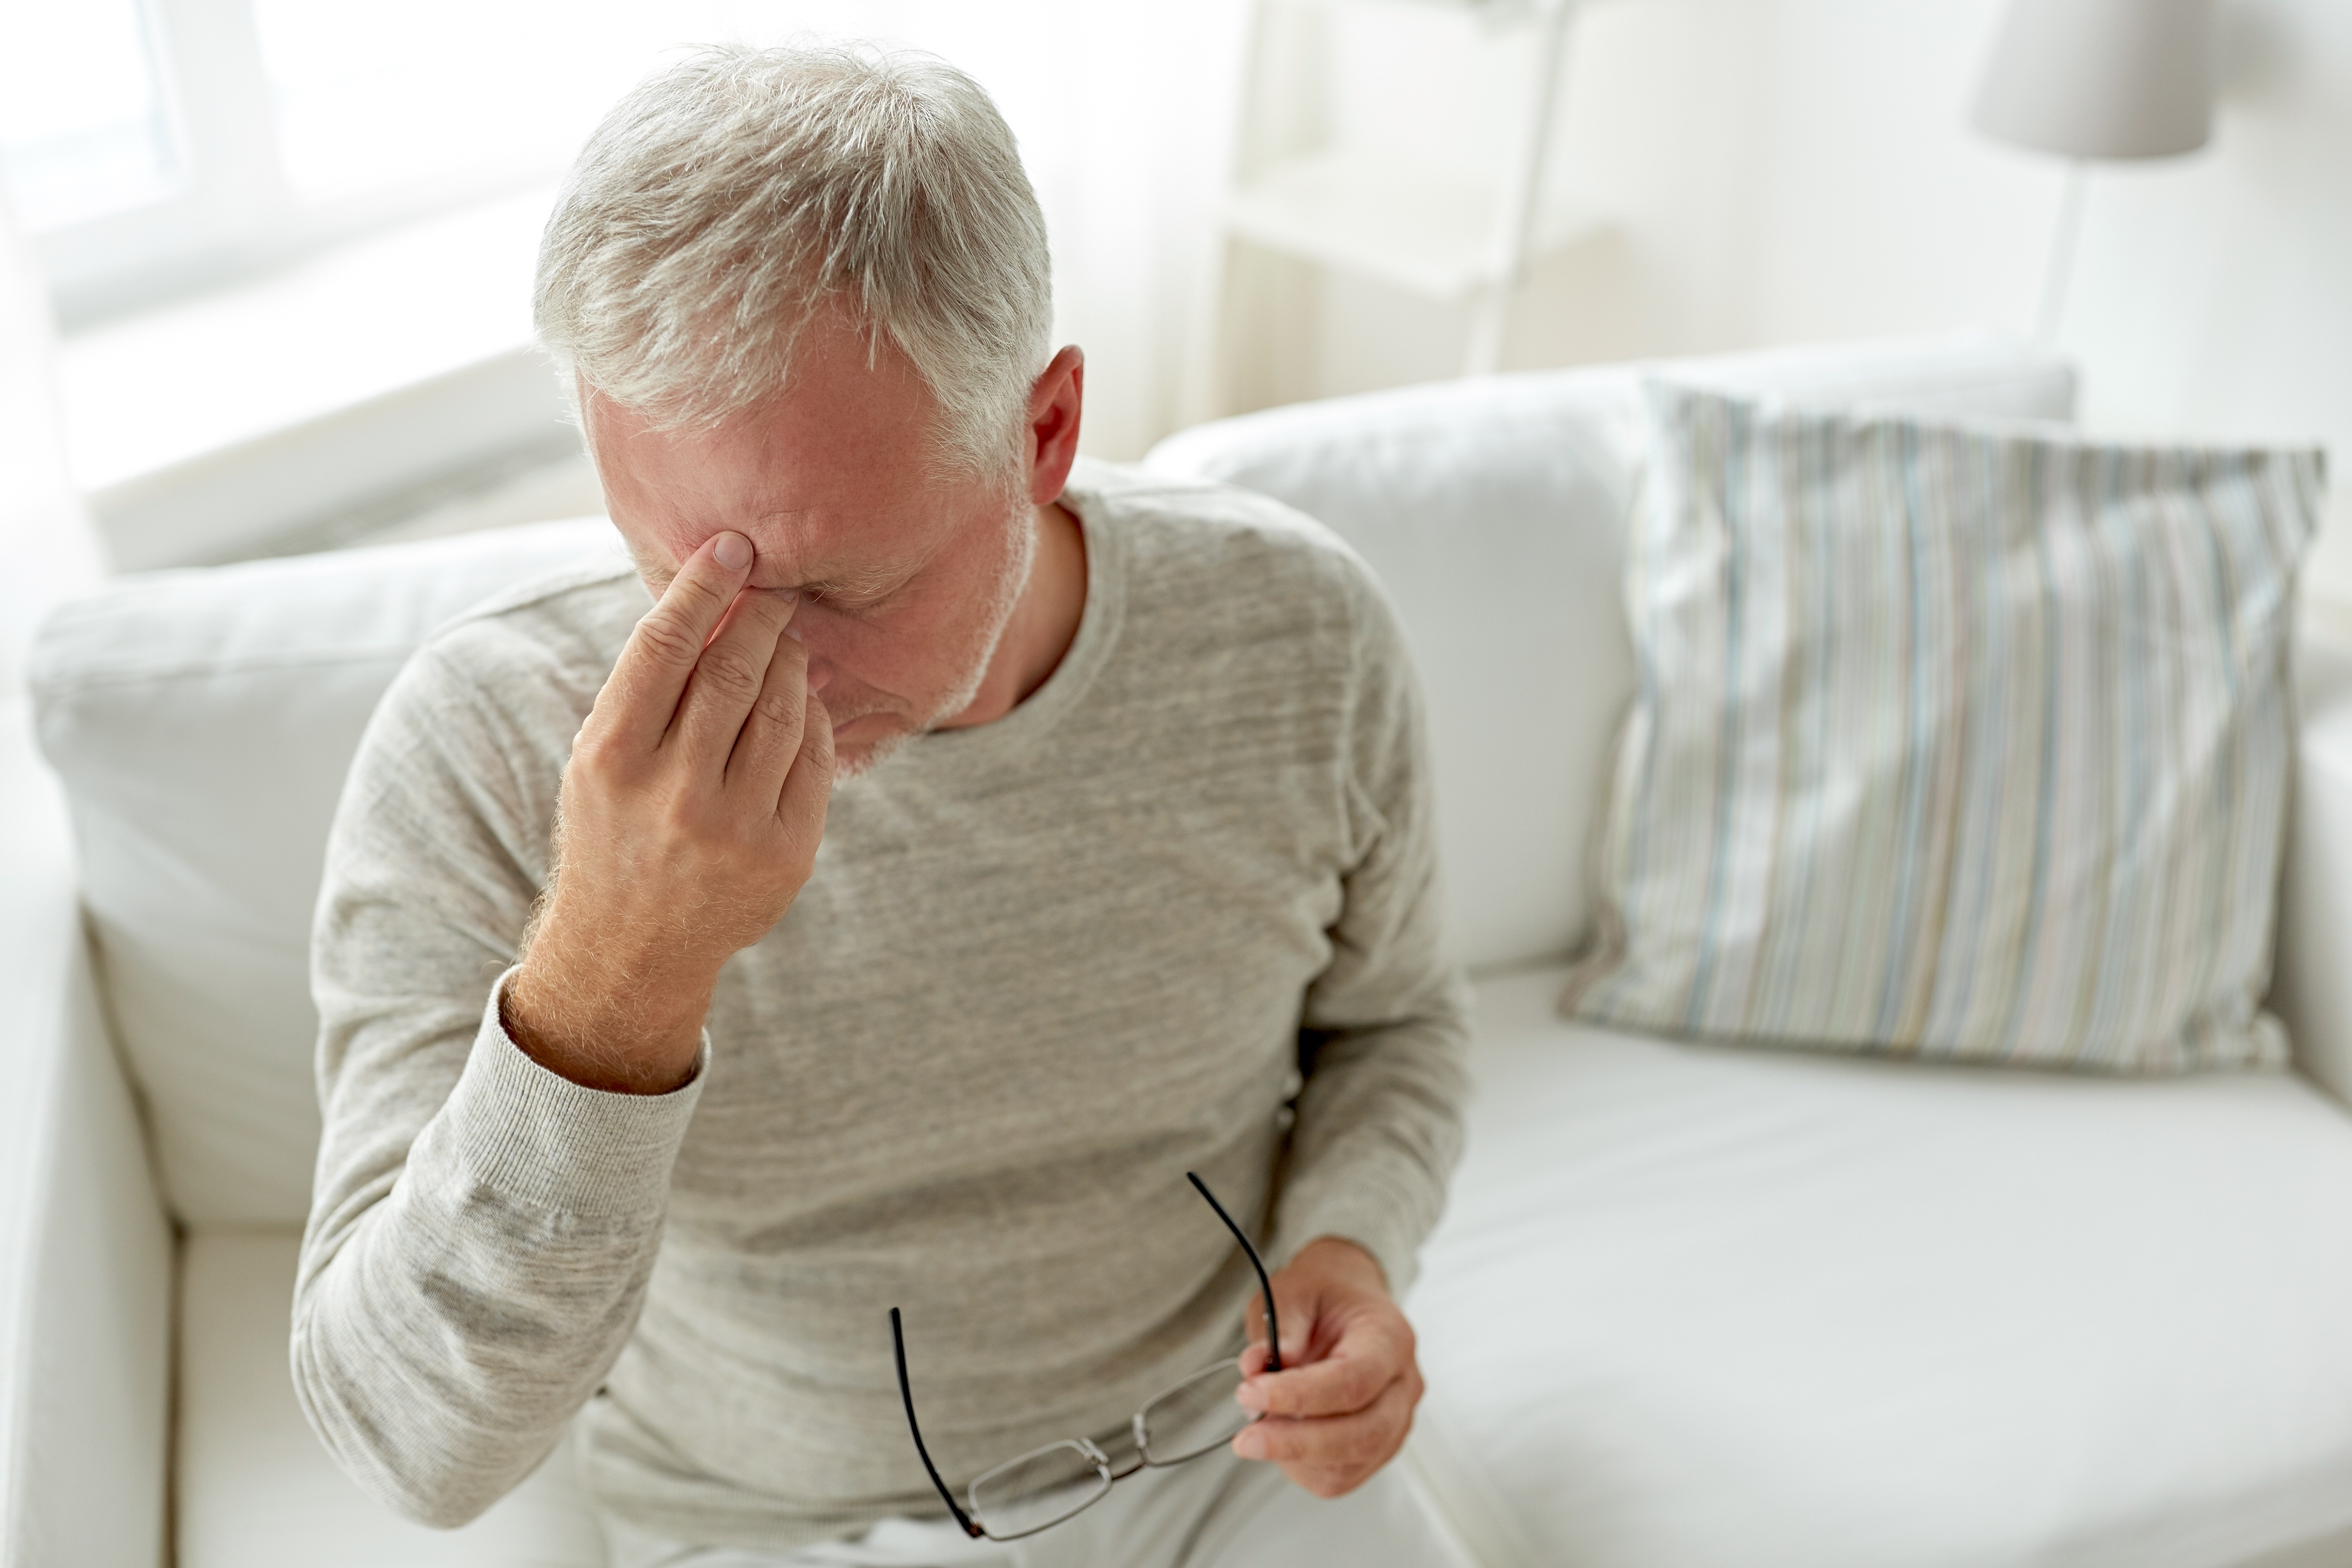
{"points": [[852, 584]]}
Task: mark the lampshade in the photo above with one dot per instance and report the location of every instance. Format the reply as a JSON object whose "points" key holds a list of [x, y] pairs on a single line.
{"points": [[2101, 78]]}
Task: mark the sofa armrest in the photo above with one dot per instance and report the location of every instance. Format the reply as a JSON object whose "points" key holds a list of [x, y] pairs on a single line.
{"points": [[86, 1251], [2312, 988]]}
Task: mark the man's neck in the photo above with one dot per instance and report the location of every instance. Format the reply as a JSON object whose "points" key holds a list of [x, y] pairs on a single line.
{"points": [[1044, 624]]}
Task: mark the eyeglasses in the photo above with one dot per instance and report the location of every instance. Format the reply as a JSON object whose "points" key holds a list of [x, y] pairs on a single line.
{"points": [[1046, 1485]]}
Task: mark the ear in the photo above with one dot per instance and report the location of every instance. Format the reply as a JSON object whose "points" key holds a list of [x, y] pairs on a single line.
{"points": [[1054, 400]]}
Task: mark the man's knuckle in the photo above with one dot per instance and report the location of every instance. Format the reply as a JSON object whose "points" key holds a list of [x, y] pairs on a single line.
{"points": [[602, 756], [780, 708], [667, 639], [682, 821], [729, 674]]}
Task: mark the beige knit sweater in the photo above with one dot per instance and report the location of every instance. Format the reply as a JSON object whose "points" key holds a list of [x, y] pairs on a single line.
{"points": [[1045, 966]]}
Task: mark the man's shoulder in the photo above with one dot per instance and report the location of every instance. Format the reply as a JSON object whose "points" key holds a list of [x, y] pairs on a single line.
{"points": [[472, 736], [554, 633], [1249, 552]]}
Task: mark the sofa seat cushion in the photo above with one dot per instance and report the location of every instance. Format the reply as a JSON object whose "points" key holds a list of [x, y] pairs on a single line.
{"points": [[1694, 1306], [256, 1489]]}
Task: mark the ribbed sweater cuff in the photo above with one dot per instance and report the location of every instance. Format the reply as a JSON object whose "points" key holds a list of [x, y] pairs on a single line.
{"points": [[1360, 1212], [545, 1141]]}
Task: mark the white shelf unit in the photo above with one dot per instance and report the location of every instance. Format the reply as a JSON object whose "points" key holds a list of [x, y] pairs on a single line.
{"points": [[1423, 229], [1432, 231]]}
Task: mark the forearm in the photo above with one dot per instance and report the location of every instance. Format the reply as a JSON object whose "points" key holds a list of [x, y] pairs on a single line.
{"points": [[1379, 1131], [446, 1331]]}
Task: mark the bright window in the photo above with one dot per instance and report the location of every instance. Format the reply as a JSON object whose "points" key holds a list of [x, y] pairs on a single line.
{"points": [[372, 98], [84, 128], [155, 146]]}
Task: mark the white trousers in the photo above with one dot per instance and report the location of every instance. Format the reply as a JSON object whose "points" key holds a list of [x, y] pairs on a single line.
{"points": [[1215, 1512]]}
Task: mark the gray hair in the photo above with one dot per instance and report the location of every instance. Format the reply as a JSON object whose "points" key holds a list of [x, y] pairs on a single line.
{"points": [[727, 196]]}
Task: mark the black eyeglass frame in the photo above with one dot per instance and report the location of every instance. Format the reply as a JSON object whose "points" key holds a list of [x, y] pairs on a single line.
{"points": [[914, 1428]]}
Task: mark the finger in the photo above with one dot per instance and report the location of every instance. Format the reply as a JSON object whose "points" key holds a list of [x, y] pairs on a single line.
{"points": [[771, 735], [651, 673], [808, 787], [1357, 1443], [727, 679], [1350, 1378], [1254, 1322], [1297, 1314]]}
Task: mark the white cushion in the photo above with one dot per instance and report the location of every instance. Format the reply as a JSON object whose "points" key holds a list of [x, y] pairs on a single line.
{"points": [[1692, 1307], [256, 1489], [1494, 511], [203, 722], [1697, 1308]]}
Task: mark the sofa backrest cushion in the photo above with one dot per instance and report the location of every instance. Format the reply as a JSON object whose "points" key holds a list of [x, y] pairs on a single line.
{"points": [[203, 722], [1493, 510]]}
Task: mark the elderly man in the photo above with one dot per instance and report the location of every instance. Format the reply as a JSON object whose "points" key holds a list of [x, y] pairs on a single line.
{"points": [[673, 1038]]}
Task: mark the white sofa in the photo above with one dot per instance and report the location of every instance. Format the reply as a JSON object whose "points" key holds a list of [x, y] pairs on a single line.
{"points": [[1690, 1307]]}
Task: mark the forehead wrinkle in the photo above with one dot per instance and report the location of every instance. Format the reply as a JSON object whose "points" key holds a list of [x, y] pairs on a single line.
{"points": [[809, 555], [788, 561]]}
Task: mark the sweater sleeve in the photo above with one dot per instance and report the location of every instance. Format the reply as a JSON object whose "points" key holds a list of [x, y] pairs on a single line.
{"points": [[482, 1230], [1385, 1029]]}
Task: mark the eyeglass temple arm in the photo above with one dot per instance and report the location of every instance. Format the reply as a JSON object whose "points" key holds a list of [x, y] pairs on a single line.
{"points": [[907, 1397], [1266, 1286]]}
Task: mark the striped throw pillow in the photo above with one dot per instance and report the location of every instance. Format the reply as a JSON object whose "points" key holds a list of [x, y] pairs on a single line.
{"points": [[1961, 742]]}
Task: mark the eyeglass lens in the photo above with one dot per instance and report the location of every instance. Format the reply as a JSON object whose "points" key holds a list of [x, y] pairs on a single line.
{"points": [[1196, 1415], [1041, 1488]]}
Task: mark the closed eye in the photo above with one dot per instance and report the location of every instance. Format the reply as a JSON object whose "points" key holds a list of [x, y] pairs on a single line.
{"points": [[850, 600]]}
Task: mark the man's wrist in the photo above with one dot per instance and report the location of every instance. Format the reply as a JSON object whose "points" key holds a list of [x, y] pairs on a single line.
{"points": [[1337, 1254], [642, 1038]]}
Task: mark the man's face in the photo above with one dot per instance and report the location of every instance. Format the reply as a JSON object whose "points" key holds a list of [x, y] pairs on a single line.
{"points": [[908, 568]]}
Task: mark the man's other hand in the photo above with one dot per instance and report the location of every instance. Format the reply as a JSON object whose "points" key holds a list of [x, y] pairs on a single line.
{"points": [[1341, 1404], [691, 811]]}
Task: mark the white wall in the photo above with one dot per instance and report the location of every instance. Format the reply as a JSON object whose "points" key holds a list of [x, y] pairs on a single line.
{"points": [[1124, 112], [1784, 170]]}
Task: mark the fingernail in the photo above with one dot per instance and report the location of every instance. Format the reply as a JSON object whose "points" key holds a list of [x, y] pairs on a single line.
{"points": [[734, 551], [1250, 1444], [1251, 1397]]}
